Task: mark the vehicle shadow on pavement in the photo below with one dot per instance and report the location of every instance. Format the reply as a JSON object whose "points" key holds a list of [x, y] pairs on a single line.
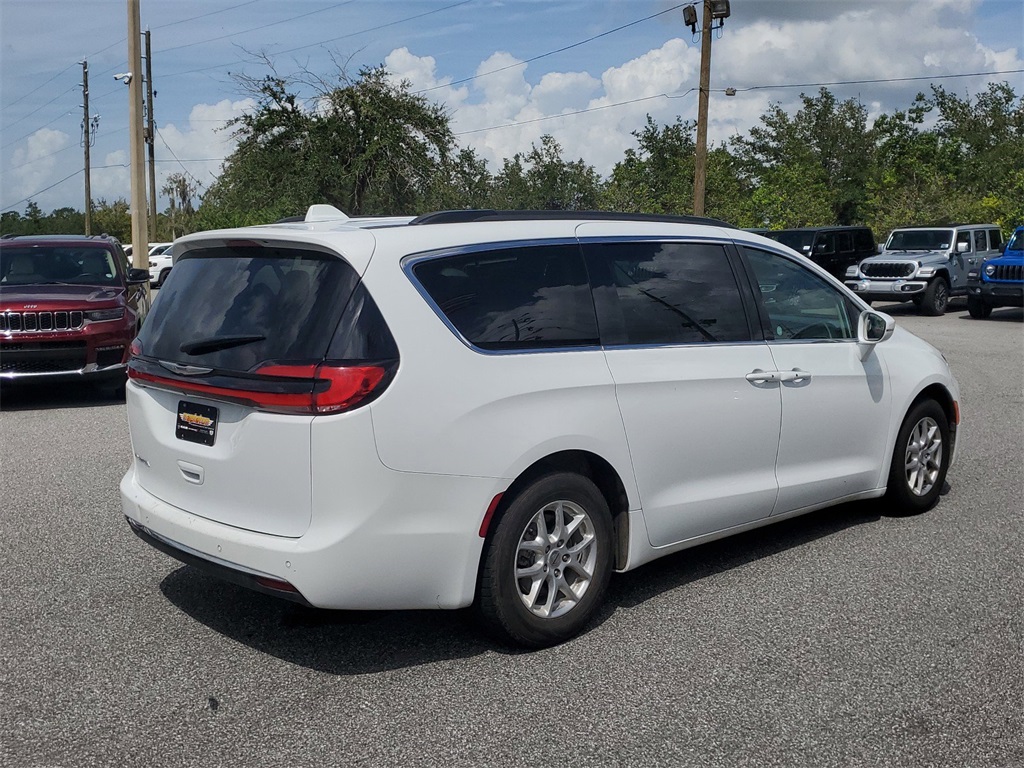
{"points": [[41, 397], [364, 642], [667, 573]]}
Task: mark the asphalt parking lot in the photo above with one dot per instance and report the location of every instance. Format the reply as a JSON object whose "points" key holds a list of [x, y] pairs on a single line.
{"points": [[843, 638]]}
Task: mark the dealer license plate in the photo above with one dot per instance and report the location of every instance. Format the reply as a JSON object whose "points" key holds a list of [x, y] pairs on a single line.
{"points": [[196, 423]]}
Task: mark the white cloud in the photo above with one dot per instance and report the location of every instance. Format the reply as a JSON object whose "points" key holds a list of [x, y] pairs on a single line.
{"points": [[44, 158]]}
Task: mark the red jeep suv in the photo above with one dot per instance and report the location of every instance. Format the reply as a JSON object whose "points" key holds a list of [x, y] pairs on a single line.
{"points": [[69, 308]]}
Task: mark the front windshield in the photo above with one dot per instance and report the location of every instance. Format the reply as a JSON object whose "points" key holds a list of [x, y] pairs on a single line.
{"points": [[1016, 241], [919, 240], [798, 241], [49, 264]]}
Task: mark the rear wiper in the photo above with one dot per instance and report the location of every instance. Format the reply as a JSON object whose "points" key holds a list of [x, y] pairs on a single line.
{"points": [[217, 343]]}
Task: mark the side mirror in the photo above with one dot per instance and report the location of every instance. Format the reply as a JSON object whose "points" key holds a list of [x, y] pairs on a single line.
{"points": [[138, 276], [963, 247], [873, 328]]}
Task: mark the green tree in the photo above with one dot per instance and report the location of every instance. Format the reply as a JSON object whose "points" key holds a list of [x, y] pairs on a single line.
{"points": [[114, 219], [657, 177], [366, 146], [179, 218], [819, 155], [542, 180]]}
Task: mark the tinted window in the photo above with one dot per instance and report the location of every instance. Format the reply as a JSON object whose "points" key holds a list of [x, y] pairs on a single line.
{"points": [[844, 243], [532, 297], [79, 265], [800, 305], [864, 240], [919, 240], [979, 241], [666, 293], [963, 237], [995, 239], [234, 309], [826, 243], [798, 240]]}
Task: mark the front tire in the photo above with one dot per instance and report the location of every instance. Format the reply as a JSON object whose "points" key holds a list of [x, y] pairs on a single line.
{"points": [[919, 460], [935, 298], [978, 308], [164, 274], [546, 569]]}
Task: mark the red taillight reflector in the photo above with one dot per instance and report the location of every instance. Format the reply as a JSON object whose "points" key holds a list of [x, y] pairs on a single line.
{"points": [[278, 584], [491, 508], [331, 389], [956, 413]]}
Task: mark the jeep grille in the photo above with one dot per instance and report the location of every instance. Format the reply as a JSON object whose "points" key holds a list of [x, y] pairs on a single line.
{"points": [[32, 322], [1014, 272], [888, 269]]}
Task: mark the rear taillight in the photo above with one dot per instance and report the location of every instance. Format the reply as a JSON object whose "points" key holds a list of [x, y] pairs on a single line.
{"points": [[346, 386], [312, 389]]}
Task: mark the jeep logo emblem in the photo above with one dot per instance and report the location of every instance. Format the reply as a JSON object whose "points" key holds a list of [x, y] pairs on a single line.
{"points": [[31, 306]]}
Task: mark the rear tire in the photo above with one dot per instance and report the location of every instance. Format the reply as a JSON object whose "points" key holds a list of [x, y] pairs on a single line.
{"points": [[164, 273], [978, 308], [920, 459], [547, 566], [935, 298]]}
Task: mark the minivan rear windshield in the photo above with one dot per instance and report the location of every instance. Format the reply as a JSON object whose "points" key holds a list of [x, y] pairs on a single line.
{"points": [[234, 309]]}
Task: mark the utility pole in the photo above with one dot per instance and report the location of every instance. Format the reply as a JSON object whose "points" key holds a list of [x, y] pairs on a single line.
{"points": [[713, 9], [140, 241], [86, 142], [150, 140], [700, 162]]}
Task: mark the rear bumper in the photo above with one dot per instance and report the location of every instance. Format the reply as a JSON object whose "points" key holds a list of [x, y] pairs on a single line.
{"points": [[417, 548]]}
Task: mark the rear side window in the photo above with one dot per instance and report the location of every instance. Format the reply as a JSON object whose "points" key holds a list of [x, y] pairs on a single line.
{"points": [[234, 309], [864, 240], [522, 298], [995, 239], [666, 293]]}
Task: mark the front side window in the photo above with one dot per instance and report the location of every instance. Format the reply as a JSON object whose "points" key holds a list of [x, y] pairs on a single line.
{"points": [[666, 293], [798, 304], [963, 237], [1016, 241], [514, 298]]}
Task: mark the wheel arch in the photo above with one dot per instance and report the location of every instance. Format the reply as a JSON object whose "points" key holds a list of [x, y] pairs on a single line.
{"points": [[581, 462]]}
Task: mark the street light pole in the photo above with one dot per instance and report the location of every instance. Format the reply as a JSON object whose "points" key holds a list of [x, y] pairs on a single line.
{"points": [[700, 163]]}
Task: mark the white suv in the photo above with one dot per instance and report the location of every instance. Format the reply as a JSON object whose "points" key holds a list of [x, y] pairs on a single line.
{"points": [[499, 409]]}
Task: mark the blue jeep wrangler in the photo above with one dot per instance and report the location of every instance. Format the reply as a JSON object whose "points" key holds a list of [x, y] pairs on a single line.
{"points": [[998, 282]]}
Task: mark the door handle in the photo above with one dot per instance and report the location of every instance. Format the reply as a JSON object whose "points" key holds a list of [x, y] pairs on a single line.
{"points": [[758, 376], [796, 375]]}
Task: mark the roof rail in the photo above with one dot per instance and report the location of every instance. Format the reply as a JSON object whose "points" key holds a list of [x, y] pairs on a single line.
{"points": [[487, 214]]}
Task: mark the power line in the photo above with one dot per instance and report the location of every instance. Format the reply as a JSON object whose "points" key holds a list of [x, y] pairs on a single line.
{"points": [[552, 53], [750, 88], [204, 15], [322, 42], [47, 189], [186, 170], [254, 29]]}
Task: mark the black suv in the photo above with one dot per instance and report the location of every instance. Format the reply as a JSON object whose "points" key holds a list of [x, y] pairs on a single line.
{"points": [[833, 248], [69, 308]]}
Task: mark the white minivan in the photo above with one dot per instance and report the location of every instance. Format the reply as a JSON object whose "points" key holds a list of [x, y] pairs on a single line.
{"points": [[499, 409]]}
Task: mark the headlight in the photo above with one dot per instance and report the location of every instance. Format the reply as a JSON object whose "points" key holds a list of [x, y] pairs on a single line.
{"points": [[851, 271], [990, 269], [926, 271], [99, 315]]}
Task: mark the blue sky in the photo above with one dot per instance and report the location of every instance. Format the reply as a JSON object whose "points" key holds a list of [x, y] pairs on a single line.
{"points": [[589, 93]]}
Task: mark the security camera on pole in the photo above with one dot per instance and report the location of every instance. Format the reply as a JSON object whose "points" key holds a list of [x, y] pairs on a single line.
{"points": [[713, 9]]}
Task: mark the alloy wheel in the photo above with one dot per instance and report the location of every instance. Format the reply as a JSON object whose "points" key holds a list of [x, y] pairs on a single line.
{"points": [[556, 559], [923, 456]]}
